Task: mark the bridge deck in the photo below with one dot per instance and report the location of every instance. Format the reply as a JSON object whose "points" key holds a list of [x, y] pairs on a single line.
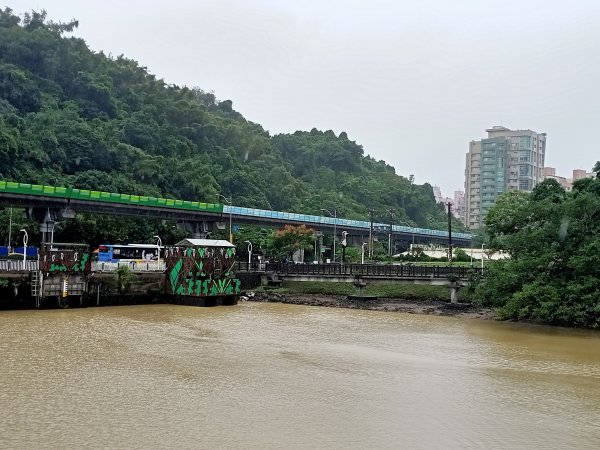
{"points": [[83, 200]]}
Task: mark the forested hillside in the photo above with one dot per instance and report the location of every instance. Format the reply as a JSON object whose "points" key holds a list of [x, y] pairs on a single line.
{"points": [[69, 116]]}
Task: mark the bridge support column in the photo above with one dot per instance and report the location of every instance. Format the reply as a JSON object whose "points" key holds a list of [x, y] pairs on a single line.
{"points": [[453, 293], [197, 230], [48, 218]]}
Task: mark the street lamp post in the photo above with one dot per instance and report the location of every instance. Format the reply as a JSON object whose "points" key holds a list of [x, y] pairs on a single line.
{"points": [[229, 201], [344, 245], [449, 205], [334, 215], [52, 236], [158, 246], [471, 253], [9, 229], [249, 253], [391, 211], [371, 211], [482, 257], [25, 240], [362, 252]]}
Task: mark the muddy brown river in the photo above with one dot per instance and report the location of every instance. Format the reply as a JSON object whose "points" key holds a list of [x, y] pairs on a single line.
{"points": [[278, 376]]}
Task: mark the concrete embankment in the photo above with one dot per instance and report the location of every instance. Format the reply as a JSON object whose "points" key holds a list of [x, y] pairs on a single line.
{"points": [[106, 289], [434, 307]]}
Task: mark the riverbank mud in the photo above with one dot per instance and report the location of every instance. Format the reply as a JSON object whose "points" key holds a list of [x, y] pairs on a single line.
{"points": [[432, 307]]}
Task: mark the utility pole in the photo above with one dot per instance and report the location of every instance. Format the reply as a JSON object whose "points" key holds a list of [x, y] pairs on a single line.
{"points": [[390, 236], [449, 204]]}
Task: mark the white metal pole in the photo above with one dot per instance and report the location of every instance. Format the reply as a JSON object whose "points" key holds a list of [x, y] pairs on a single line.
{"points": [[249, 253], [9, 229], [158, 246], [334, 231], [230, 220], [25, 240], [52, 237], [482, 257], [471, 254]]}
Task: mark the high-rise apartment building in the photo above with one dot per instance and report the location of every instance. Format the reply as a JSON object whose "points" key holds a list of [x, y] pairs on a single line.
{"points": [[505, 160]]}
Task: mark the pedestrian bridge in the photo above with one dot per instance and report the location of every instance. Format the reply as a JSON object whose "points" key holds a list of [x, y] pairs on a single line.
{"points": [[274, 274], [323, 272]]}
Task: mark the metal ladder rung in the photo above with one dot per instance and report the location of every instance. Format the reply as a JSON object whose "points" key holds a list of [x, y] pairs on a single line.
{"points": [[35, 283]]}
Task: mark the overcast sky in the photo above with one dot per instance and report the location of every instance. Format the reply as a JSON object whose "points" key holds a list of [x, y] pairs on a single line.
{"points": [[411, 81]]}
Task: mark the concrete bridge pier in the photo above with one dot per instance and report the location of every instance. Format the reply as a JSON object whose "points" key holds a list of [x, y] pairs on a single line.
{"points": [[47, 218], [198, 230], [453, 293]]}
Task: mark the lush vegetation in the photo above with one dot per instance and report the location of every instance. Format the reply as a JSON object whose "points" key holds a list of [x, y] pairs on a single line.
{"points": [[70, 116], [553, 238]]}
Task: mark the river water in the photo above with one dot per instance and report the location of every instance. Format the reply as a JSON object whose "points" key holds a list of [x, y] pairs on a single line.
{"points": [[284, 376]]}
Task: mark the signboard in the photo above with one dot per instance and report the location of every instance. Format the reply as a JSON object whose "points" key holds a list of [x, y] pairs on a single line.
{"points": [[64, 260]]}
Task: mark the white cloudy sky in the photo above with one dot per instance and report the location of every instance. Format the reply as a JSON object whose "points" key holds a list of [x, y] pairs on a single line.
{"points": [[412, 81]]}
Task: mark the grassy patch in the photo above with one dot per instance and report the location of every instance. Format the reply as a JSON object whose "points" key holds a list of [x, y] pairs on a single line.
{"points": [[408, 291]]}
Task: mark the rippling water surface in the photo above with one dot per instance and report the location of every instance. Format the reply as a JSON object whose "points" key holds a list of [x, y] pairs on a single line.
{"points": [[284, 376]]}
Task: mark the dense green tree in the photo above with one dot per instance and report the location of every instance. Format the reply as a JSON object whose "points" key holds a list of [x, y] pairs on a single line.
{"points": [[291, 238], [553, 238]]}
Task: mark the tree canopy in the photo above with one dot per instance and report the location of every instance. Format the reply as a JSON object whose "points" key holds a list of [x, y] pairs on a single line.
{"points": [[553, 238]]}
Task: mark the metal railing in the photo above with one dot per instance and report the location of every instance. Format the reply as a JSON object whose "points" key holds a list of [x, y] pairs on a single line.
{"points": [[372, 270], [149, 266], [13, 265]]}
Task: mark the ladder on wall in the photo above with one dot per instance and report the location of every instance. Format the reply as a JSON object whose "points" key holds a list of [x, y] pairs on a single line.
{"points": [[36, 287]]}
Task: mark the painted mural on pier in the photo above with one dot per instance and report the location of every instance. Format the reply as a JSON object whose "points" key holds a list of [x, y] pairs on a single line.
{"points": [[201, 271], [64, 260]]}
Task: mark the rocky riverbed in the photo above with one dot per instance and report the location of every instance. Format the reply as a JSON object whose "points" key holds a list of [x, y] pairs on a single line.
{"points": [[434, 307]]}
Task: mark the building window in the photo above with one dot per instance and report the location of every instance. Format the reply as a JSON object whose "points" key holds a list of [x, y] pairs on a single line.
{"points": [[524, 185], [525, 143]]}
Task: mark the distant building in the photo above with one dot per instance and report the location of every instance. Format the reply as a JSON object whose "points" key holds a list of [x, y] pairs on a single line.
{"points": [[505, 160], [458, 202], [437, 193], [458, 205], [567, 183]]}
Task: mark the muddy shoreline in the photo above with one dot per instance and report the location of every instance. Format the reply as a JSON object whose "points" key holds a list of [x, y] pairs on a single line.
{"points": [[431, 307]]}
